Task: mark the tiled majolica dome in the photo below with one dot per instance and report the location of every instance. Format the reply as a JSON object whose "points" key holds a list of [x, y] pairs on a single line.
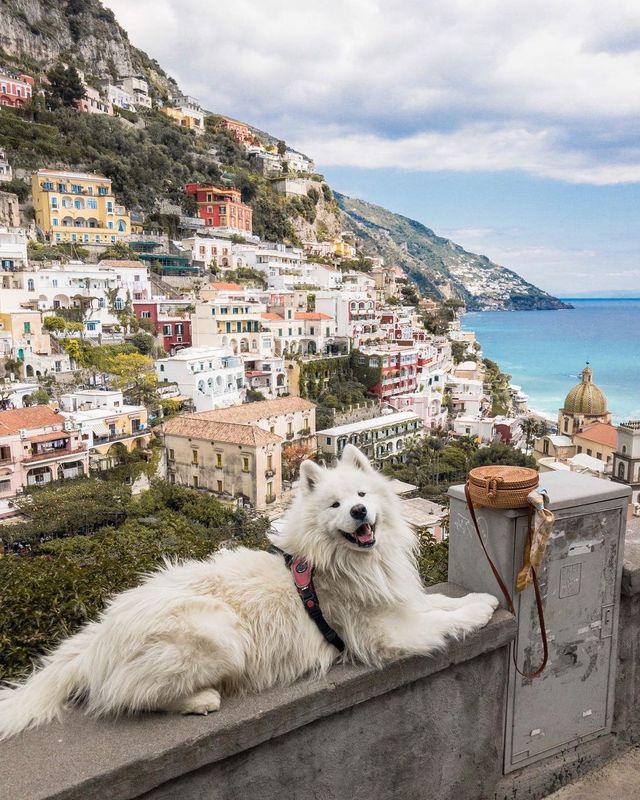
{"points": [[586, 398]]}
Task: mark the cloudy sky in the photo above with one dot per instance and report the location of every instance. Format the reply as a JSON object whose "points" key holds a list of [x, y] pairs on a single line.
{"points": [[511, 126]]}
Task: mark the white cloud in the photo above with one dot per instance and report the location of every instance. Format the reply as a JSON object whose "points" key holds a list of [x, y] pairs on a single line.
{"points": [[545, 87]]}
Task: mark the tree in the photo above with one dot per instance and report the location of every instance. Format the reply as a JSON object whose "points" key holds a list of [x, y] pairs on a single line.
{"points": [[54, 324], [13, 366], [65, 86], [119, 252], [40, 397], [292, 457], [532, 429], [135, 375], [281, 147], [143, 342]]}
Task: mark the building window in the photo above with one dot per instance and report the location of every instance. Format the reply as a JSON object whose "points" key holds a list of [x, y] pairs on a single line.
{"points": [[545, 447], [621, 470], [579, 448], [195, 481], [599, 455], [219, 460], [289, 428], [172, 454], [245, 464], [219, 485], [146, 315], [194, 457], [166, 330], [328, 438], [270, 462], [589, 452], [270, 496]]}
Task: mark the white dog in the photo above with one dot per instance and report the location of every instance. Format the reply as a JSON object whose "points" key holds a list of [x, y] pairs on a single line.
{"points": [[235, 622]]}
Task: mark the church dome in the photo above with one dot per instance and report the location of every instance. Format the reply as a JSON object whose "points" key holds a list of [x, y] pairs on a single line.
{"points": [[586, 398]]}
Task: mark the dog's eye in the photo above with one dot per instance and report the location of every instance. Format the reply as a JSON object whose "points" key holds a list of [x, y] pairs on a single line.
{"points": [[361, 494], [335, 505]]}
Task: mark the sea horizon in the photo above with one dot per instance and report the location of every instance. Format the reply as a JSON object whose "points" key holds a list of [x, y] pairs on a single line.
{"points": [[545, 351]]}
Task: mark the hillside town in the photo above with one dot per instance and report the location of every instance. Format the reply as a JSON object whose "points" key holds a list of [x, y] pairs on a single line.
{"points": [[225, 358]]}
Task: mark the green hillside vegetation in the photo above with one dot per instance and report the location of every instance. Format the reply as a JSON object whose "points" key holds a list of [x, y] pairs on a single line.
{"points": [[147, 161]]}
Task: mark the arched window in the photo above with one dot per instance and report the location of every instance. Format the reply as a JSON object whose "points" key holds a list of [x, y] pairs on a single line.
{"points": [[621, 470], [30, 285], [201, 387], [566, 424]]}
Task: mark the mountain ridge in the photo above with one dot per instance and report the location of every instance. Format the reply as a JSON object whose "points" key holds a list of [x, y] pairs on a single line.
{"points": [[440, 266]]}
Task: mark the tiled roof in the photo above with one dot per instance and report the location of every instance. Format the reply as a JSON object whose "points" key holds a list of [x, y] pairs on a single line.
{"points": [[29, 418], [600, 433], [270, 315], [194, 426], [127, 264], [249, 412], [311, 315]]}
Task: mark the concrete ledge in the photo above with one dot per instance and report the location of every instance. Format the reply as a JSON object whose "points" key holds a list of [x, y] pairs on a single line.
{"points": [[83, 758]]}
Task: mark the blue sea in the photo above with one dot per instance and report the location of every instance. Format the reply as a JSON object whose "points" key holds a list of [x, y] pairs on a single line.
{"points": [[544, 351]]}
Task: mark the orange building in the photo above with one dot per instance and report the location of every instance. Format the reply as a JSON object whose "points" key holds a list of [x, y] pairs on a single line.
{"points": [[221, 208]]}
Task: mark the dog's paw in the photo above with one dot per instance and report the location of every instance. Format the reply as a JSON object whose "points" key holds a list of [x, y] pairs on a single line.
{"points": [[482, 598], [480, 609], [203, 702]]}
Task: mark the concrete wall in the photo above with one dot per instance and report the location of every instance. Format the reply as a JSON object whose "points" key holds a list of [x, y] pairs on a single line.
{"points": [[422, 728]]}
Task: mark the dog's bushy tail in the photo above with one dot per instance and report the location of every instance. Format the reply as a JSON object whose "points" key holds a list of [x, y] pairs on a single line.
{"points": [[42, 697]]}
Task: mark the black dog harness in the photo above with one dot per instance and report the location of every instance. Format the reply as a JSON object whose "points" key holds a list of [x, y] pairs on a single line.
{"points": [[302, 573]]}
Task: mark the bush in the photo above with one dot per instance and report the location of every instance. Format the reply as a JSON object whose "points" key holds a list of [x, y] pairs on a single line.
{"points": [[66, 582]]}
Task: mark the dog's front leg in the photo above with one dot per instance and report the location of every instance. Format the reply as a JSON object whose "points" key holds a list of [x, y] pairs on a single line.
{"points": [[425, 629], [432, 602]]}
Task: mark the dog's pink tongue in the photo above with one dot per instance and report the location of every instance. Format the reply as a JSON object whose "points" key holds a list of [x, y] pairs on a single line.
{"points": [[364, 533]]}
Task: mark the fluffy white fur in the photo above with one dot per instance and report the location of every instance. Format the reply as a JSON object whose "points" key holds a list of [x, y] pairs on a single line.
{"points": [[234, 623]]}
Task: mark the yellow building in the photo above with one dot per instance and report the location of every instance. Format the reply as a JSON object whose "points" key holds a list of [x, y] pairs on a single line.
{"points": [[185, 118], [78, 207], [343, 249]]}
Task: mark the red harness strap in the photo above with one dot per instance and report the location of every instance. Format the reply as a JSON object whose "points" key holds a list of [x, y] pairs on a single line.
{"points": [[302, 573]]}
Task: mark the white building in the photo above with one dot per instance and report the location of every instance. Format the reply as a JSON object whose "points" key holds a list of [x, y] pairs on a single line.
{"points": [[136, 87], [75, 285], [13, 249], [300, 332], [482, 428], [6, 173], [354, 313], [119, 97], [425, 401], [296, 162], [467, 395], [379, 438], [212, 377]]}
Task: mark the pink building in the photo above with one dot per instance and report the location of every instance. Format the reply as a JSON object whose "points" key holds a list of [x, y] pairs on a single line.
{"points": [[38, 446], [16, 89], [93, 103]]}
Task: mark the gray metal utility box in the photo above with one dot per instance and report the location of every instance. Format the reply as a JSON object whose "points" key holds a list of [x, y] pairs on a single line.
{"points": [[572, 700]]}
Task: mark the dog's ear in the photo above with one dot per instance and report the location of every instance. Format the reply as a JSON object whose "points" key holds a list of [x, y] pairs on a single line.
{"points": [[356, 458], [310, 474]]}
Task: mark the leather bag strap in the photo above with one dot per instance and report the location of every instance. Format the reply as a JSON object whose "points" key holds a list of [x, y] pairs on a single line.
{"points": [[507, 595]]}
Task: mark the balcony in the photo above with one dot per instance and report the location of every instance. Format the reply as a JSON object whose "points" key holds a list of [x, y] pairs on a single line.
{"points": [[269, 473], [289, 435], [60, 452]]}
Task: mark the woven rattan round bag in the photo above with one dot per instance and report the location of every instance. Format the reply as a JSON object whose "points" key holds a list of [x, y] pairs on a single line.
{"points": [[501, 486]]}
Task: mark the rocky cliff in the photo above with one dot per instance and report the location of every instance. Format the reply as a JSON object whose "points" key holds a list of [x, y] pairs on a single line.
{"points": [[34, 34]]}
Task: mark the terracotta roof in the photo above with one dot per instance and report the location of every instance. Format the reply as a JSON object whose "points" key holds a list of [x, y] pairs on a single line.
{"points": [[311, 315], [272, 316], [600, 433], [233, 287], [249, 412], [35, 417], [195, 426], [114, 262], [49, 437]]}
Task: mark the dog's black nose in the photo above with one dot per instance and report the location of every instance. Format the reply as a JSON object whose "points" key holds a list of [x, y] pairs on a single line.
{"points": [[359, 511]]}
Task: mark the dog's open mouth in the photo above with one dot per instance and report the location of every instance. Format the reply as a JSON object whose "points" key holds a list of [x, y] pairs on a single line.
{"points": [[364, 536]]}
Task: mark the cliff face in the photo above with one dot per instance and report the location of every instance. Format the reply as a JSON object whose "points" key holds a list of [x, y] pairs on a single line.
{"points": [[35, 33], [439, 265]]}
